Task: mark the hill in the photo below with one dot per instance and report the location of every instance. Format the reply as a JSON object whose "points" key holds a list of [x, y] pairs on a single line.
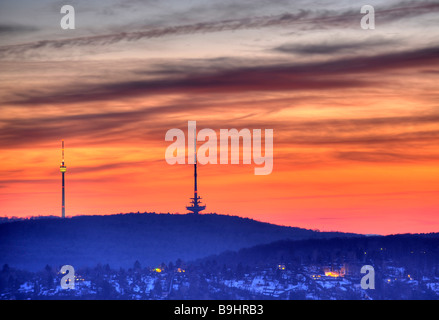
{"points": [[121, 239], [400, 249]]}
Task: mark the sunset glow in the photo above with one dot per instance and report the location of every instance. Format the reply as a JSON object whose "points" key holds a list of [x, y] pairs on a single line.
{"points": [[354, 112]]}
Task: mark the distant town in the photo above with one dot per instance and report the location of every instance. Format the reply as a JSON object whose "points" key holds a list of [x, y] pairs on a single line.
{"points": [[215, 257], [209, 280]]}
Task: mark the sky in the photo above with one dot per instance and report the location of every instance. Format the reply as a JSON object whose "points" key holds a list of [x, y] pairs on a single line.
{"points": [[355, 113]]}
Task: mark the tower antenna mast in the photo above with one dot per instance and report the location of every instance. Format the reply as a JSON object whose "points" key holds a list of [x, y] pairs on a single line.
{"points": [[63, 170]]}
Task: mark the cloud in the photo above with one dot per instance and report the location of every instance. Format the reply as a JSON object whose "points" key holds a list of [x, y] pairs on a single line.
{"points": [[333, 47], [327, 75], [368, 124], [365, 139], [95, 128], [16, 28], [368, 136], [350, 195], [304, 19], [202, 27], [26, 181], [383, 156], [109, 166], [237, 81]]}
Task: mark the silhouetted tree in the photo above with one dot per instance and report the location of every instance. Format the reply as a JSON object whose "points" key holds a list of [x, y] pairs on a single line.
{"points": [[137, 265], [49, 276]]}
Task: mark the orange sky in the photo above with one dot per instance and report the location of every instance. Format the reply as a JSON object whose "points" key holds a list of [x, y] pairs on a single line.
{"points": [[355, 119]]}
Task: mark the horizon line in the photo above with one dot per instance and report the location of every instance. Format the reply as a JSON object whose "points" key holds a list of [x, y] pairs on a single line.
{"points": [[37, 217]]}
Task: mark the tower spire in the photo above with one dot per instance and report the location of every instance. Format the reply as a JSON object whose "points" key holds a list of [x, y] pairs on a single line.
{"points": [[195, 207], [63, 170]]}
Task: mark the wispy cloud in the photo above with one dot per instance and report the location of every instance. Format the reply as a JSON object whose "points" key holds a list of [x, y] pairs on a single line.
{"points": [[327, 75], [354, 195], [334, 47], [16, 28], [304, 19], [388, 157]]}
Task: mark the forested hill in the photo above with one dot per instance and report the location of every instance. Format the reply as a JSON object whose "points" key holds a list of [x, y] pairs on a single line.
{"points": [[121, 239], [420, 250]]}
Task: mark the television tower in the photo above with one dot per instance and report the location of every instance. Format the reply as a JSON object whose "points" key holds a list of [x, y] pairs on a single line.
{"points": [[63, 170], [195, 207]]}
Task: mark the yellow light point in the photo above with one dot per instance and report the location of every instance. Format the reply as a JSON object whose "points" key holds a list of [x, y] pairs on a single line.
{"points": [[333, 274], [281, 266]]}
